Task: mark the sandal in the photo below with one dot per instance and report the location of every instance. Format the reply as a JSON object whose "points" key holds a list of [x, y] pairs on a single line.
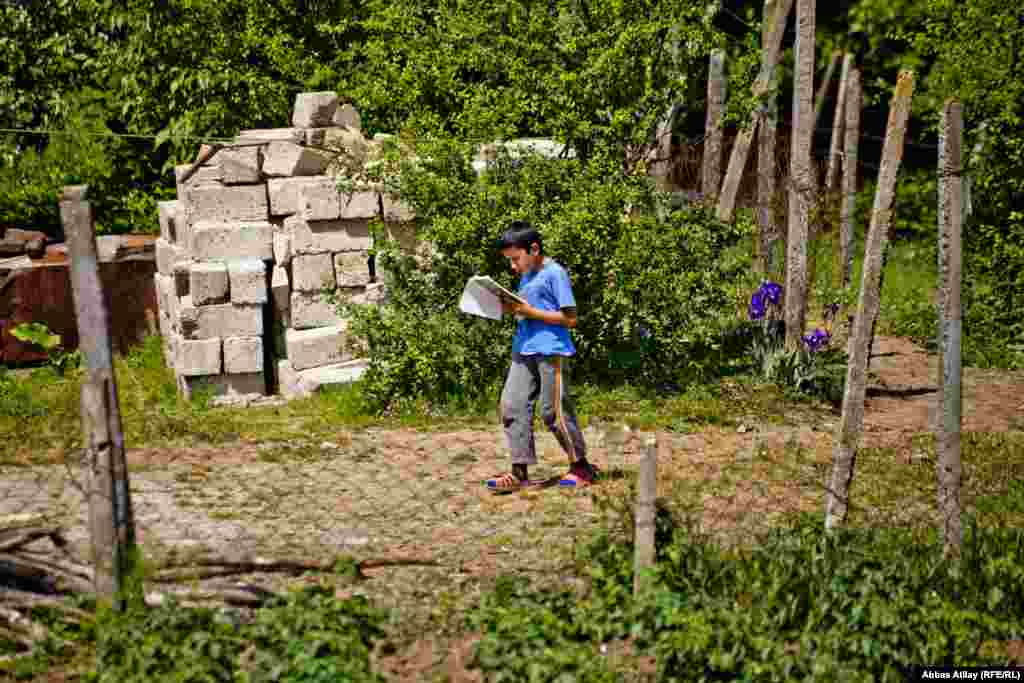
{"points": [[579, 477], [508, 482]]}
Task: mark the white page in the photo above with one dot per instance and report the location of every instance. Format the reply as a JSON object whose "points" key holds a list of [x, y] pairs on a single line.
{"points": [[476, 300]]}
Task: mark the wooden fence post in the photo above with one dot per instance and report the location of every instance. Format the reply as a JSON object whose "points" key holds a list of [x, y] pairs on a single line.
{"points": [[112, 526], [711, 175], [951, 215], [826, 83], [845, 451], [850, 162], [766, 138], [802, 185], [779, 10], [647, 493], [838, 121]]}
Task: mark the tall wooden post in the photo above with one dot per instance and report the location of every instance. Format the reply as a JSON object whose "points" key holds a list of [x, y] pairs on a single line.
{"points": [[647, 494], [802, 185], [779, 10], [845, 451], [850, 161], [711, 174], [838, 121], [766, 171], [112, 525], [950, 225]]}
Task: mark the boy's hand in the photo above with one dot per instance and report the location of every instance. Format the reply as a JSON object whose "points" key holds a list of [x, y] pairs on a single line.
{"points": [[510, 307]]}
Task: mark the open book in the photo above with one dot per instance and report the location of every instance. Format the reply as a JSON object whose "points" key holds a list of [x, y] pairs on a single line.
{"points": [[483, 296]]}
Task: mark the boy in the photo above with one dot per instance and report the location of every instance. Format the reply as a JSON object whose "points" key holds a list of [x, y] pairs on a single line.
{"points": [[541, 349]]}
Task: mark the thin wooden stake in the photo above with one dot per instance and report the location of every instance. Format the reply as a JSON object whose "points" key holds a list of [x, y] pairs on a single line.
{"points": [[711, 175], [779, 9], [647, 493], [112, 526], [767, 229], [826, 83], [845, 451], [850, 161], [838, 121], [947, 438]]}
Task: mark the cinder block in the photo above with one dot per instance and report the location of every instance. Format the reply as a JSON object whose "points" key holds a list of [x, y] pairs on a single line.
{"points": [[243, 355], [348, 116], [209, 173], [352, 268], [404, 234], [317, 237], [288, 383], [216, 241], [312, 272], [208, 283], [225, 386], [198, 357], [314, 109], [375, 293], [248, 281], [289, 159], [168, 212], [167, 254], [220, 320], [182, 278], [282, 248], [281, 296], [240, 165], [164, 285], [296, 135], [356, 205], [320, 201], [314, 309], [313, 348], [284, 193], [223, 204], [395, 210]]}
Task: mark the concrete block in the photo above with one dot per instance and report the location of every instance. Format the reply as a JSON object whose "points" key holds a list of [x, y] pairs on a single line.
{"points": [[281, 296], [320, 201], [240, 165], [167, 254], [317, 237], [209, 173], [313, 348], [216, 241], [352, 268], [348, 116], [164, 285], [183, 278], [404, 234], [248, 281], [314, 109], [225, 386], [345, 147], [314, 309], [208, 283], [296, 384], [284, 192], [356, 205], [375, 293], [282, 248], [223, 204], [312, 272], [395, 210], [288, 381], [289, 159], [198, 357], [219, 320], [296, 135], [243, 355], [169, 217]]}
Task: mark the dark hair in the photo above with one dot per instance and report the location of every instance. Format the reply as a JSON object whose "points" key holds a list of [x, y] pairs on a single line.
{"points": [[521, 234]]}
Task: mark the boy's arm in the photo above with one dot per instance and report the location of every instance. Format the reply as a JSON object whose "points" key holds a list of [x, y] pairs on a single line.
{"points": [[565, 317]]}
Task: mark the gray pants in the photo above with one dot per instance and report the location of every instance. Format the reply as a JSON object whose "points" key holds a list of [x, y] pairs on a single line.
{"points": [[544, 377]]}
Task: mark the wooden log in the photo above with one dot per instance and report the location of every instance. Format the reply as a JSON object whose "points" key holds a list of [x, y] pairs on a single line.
{"points": [[838, 124], [14, 539], [852, 421], [767, 135], [851, 158], [647, 493], [711, 166]]}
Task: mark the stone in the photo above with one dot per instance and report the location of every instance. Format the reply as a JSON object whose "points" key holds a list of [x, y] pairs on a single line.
{"points": [[281, 296], [296, 135], [216, 241], [243, 355], [352, 269], [395, 210], [182, 278], [167, 255], [282, 248], [208, 174], [314, 309], [223, 204], [289, 159], [314, 109], [313, 348], [248, 281], [288, 381], [363, 204], [242, 387], [208, 283], [348, 116], [219, 320], [168, 215], [320, 201], [240, 165], [404, 234], [198, 357], [375, 293], [317, 237], [165, 298], [312, 272], [284, 193], [295, 384], [345, 148]]}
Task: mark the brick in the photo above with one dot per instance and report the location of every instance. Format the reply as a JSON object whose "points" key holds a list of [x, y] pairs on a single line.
{"points": [[281, 296], [282, 248], [240, 165], [352, 268], [316, 237], [289, 159], [313, 348], [296, 135], [243, 355], [198, 357], [208, 283], [248, 281], [215, 241], [312, 272], [314, 109], [225, 386], [320, 201], [169, 217], [223, 204], [314, 309], [284, 193], [355, 205], [220, 320], [167, 255], [348, 116]]}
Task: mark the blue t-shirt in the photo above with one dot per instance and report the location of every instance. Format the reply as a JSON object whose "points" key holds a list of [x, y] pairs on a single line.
{"points": [[548, 289]]}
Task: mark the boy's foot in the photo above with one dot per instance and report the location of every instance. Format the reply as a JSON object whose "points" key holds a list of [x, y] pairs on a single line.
{"points": [[580, 475]]}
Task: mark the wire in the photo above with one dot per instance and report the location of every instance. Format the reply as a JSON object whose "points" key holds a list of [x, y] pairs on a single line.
{"points": [[109, 134]]}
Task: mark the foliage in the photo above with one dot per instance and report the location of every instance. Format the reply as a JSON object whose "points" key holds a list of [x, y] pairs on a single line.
{"points": [[17, 399], [39, 335]]}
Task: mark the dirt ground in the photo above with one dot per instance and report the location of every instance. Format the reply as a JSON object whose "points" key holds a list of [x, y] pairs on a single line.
{"points": [[419, 497]]}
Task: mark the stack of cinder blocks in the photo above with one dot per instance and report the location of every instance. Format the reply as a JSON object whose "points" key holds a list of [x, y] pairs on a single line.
{"points": [[258, 250]]}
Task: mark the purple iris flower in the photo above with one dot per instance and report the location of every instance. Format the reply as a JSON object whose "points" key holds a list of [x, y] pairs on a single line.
{"points": [[772, 292], [830, 311], [817, 340], [757, 305]]}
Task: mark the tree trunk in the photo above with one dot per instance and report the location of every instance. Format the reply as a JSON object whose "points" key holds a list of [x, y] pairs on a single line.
{"points": [[767, 227], [711, 173]]}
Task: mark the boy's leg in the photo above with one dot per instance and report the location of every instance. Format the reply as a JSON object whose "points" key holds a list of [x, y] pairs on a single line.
{"points": [[522, 386], [558, 409]]}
